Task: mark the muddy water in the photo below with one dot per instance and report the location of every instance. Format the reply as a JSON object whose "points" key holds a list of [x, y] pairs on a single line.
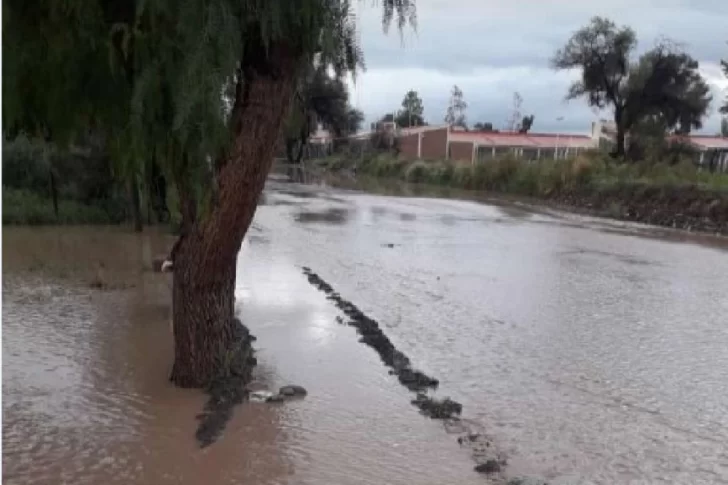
{"points": [[86, 398], [592, 352]]}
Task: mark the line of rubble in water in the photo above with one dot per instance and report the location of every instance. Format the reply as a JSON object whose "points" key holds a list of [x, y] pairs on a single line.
{"points": [[399, 364], [489, 460]]}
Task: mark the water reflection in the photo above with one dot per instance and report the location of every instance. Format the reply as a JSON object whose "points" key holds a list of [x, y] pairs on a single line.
{"points": [[333, 215]]}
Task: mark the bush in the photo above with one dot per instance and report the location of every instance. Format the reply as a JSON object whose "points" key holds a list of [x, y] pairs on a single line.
{"points": [[417, 173], [87, 193], [22, 206], [592, 170]]}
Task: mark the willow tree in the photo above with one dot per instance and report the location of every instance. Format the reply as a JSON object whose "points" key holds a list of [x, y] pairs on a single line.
{"points": [[151, 76]]}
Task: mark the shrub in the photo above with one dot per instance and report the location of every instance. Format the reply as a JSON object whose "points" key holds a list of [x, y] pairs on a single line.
{"points": [[22, 206], [417, 173]]}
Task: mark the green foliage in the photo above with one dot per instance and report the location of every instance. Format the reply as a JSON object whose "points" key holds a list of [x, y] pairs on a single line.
{"points": [[526, 124], [664, 82], [354, 120], [484, 127], [546, 178], [22, 206], [159, 79], [83, 182], [601, 51], [412, 112]]}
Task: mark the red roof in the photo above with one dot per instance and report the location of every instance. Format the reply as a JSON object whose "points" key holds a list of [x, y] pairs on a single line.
{"points": [[534, 140], [704, 142]]}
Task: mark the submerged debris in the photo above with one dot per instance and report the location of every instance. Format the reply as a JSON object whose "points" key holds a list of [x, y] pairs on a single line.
{"points": [[292, 390], [490, 466], [437, 408]]}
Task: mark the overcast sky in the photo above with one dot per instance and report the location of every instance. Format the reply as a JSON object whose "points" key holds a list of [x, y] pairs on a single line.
{"points": [[491, 48]]}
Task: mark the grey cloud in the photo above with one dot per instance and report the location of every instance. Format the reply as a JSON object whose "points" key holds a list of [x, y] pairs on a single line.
{"points": [[457, 37], [512, 42]]}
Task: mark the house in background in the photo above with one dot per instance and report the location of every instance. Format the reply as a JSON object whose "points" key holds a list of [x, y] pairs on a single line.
{"points": [[443, 142], [440, 142], [712, 151]]}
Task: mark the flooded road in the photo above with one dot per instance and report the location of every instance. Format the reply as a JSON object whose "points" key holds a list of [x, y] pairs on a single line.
{"points": [[592, 352]]}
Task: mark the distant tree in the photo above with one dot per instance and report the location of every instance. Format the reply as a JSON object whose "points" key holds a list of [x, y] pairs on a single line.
{"points": [[724, 126], [649, 141], [412, 111], [484, 127], [456, 110], [354, 120], [526, 124], [320, 98], [512, 122], [388, 118], [664, 81]]}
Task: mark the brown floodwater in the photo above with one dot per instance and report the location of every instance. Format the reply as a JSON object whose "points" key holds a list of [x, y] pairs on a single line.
{"points": [[590, 351]]}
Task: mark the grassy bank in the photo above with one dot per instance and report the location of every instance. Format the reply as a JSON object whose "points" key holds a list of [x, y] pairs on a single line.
{"points": [[25, 207], [668, 195]]}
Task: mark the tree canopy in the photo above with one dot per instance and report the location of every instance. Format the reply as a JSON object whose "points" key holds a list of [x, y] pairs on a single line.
{"points": [[526, 123], [486, 127], [412, 112], [455, 115], [149, 74], [663, 82], [320, 99]]}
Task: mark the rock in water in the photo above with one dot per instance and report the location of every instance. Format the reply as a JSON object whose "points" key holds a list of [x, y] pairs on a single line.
{"points": [[260, 396], [292, 390], [490, 466], [276, 398]]}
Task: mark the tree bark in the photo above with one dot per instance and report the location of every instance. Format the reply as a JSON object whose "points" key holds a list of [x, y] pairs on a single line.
{"points": [[206, 255], [620, 145]]}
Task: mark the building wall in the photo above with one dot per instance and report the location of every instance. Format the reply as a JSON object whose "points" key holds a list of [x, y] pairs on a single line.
{"points": [[461, 151], [434, 144], [408, 146]]}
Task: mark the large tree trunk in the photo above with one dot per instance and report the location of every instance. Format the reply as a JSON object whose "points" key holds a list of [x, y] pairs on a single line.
{"points": [[205, 258]]}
